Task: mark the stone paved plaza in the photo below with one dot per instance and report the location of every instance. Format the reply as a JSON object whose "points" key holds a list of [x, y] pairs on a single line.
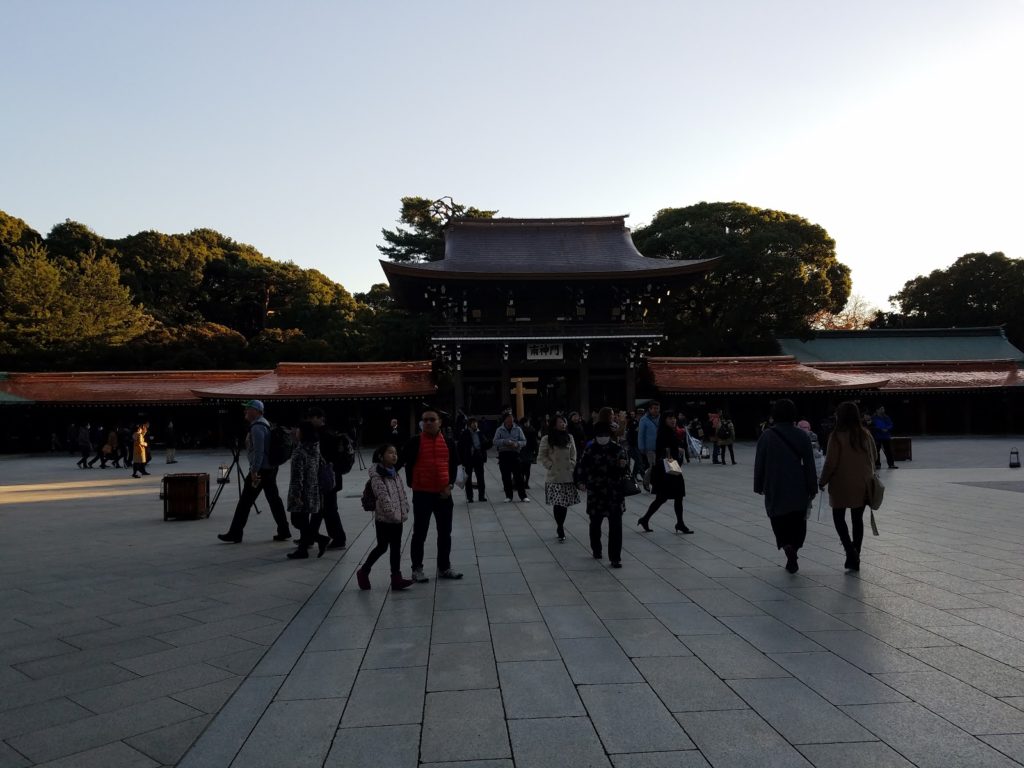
{"points": [[128, 641]]}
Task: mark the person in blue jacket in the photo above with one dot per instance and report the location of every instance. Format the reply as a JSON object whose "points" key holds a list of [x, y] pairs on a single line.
{"points": [[881, 430], [647, 438]]}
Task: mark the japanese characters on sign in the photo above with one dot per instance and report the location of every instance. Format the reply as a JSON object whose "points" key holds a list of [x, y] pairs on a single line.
{"points": [[543, 351]]}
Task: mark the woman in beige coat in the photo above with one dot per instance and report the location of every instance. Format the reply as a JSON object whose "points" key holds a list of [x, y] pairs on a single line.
{"points": [[557, 454], [849, 466]]}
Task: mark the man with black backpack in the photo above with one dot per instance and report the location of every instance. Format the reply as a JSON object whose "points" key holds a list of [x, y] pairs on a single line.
{"points": [[338, 451], [267, 448]]}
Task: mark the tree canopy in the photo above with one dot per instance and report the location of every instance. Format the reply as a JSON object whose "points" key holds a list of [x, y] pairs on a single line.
{"points": [[422, 239], [979, 289], [776, 271], [199, 300]]}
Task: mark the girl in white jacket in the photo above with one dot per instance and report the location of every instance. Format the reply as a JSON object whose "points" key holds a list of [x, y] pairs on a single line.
{"points": [[392, 509]]}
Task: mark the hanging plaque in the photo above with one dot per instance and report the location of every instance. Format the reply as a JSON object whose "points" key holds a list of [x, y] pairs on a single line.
{"points": [[543, 351]]}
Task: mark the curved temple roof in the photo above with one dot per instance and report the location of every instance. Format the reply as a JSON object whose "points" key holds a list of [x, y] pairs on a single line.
{"points": [[543, 249], [679, 375]]}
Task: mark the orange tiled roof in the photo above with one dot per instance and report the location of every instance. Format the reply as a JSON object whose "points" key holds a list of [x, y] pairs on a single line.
{"points": [[117, 386], [342, 381], [679, 375], [288, 381], [935, 375]]}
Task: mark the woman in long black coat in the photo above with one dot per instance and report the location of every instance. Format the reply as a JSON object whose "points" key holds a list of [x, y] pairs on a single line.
{"points": [[667, 486]]}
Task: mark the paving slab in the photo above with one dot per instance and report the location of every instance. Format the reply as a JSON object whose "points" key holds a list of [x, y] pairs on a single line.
{"points": [[461, 666], [293, 733], [386, 746], [527, 641], [631, 718], [532, 689], [799, 714], [685, 684], [464, 725], [562, 742], [740, 739]]}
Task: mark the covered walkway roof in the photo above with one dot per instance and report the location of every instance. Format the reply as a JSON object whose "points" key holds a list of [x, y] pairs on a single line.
{"points": [[289, 381]]}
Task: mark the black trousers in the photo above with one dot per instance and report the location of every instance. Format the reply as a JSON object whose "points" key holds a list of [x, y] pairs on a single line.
{"points": [[475, 469], [328, 514], [790, 529], [511, 474], [268, 487], [719, 451], [857, 518], [614, 535], [85, 451], [884, 445], [424, 506], [389, 536]]}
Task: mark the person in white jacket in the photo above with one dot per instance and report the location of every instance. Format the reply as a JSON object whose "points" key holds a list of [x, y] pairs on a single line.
{"points": [[392, 509], [557, 454]]}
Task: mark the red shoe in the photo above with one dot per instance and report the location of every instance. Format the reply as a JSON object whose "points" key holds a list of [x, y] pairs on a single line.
{"points": [[397, 582], [362, 579]]}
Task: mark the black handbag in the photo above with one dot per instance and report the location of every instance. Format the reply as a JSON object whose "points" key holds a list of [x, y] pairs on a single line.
{"points": [[628, 486]]}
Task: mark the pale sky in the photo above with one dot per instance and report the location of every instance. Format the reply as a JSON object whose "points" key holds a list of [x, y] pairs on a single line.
{"points": [[297, 127]]}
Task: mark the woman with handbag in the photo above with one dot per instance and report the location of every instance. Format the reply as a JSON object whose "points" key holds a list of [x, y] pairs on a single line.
{"points": [[849, 468], [667, 476], [557, 454]]}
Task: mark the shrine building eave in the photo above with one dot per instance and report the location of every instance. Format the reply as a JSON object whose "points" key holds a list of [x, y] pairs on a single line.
{"points": [[762, 375]]}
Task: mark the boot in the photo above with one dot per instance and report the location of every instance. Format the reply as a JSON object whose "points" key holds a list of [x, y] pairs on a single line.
{"points": [[362, 579], [397, 582], [642, 522], [680, 525]]}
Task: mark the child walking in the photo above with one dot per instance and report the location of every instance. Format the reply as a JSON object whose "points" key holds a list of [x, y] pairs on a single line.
{"points": [[392, 509]]}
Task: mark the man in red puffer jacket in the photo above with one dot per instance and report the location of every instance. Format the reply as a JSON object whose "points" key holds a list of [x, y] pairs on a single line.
{"points": [[431, 462]]}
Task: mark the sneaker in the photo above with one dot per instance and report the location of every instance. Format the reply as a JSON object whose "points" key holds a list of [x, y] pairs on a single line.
{"points": [[227, 538], [282, 536], [508, 500], [418, 577], [616, 564], [448, 573], [299, 554], [525, 500]]}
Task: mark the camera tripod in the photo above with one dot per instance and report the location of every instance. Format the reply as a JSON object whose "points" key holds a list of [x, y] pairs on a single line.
{"points": [[239, 479]]}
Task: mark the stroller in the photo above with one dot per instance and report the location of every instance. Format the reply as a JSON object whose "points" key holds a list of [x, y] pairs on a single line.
{"points": [[697, 448]]}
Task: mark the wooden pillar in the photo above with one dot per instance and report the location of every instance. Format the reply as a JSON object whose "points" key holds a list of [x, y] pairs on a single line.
{"points": [[584, 389], [413, 418], [922, 416], [506, 382], [968, 416], [630, 388], [460, 398]]}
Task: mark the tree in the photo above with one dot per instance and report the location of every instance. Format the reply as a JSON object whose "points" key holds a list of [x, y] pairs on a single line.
{"points": [[777, 270], [978, 289], [856, 315], [426, 220], [15, 233], [65, 306]]}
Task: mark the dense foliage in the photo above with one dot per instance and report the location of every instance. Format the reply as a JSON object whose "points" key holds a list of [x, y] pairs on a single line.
{"points": [[74, 299], [979, 289], [776, 272]]}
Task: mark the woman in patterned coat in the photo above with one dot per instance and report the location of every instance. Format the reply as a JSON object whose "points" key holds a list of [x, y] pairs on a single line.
{"points": [[600, 474]]}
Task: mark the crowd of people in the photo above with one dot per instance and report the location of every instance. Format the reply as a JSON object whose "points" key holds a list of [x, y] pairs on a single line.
{"points": [[598, 462]]}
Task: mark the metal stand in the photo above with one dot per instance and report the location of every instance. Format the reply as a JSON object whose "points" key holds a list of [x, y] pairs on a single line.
{"points": [[239, 479], [358, 441]]}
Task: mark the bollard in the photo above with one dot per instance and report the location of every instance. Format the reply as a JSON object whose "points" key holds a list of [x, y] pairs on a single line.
{"points": [[1014, 459]]}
